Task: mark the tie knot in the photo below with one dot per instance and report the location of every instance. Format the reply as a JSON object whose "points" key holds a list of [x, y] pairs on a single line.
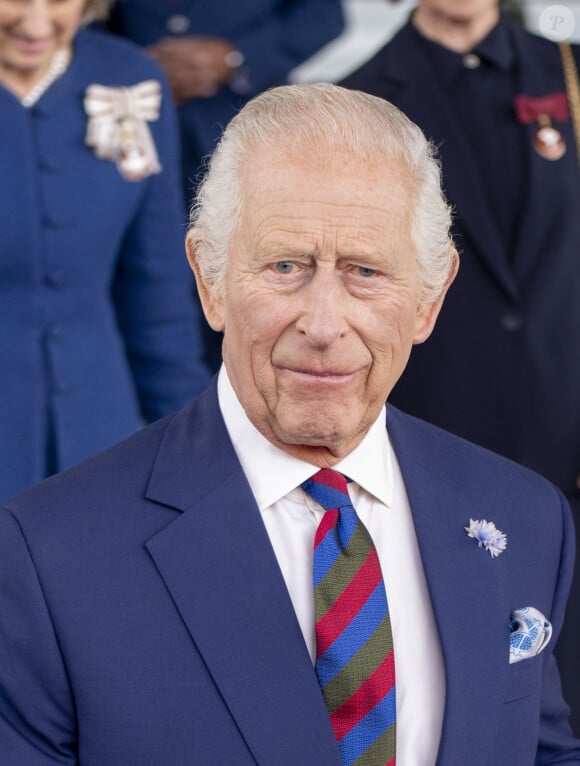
{"points": [[328, 488]]}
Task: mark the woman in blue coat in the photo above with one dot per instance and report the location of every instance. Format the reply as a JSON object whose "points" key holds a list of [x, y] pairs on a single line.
{"points": [[98, 331]]}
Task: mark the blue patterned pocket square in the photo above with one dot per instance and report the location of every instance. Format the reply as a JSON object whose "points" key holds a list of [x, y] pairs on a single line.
{"points": [[530, 632]]}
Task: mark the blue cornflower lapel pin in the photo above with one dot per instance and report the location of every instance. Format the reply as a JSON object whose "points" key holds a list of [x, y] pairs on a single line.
{"points": [[487, 536]]}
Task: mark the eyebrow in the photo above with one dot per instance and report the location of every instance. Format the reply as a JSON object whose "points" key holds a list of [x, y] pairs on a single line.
{"points": [[284, 251]]}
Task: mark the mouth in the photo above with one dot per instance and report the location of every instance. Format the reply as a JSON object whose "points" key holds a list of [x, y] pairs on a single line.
{"points": [[325, 377], [32, 46]]}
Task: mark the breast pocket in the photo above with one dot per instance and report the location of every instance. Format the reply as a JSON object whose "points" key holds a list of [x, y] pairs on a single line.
{"points": [[524, 679]]}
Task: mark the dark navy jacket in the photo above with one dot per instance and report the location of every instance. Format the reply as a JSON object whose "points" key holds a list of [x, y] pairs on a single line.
{"points": [[98, 330]]}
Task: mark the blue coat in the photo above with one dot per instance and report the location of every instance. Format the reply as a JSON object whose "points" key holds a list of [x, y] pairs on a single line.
{"points": [[98, 330], [144, 620], [273, 35]]}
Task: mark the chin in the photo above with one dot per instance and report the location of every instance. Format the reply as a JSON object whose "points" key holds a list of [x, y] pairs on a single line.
{"points": [[313, 431]]}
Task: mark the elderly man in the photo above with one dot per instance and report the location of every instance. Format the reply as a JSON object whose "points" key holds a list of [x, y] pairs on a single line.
{"points": [[205, 593]]}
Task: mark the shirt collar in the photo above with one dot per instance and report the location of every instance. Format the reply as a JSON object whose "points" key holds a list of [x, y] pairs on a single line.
{"points": [[496, 49], [369, 465]]}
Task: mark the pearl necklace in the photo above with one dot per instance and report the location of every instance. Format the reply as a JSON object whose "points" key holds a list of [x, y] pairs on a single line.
{"points": [[58, 65]]}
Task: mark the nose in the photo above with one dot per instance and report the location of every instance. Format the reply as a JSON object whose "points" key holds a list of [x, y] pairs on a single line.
{"points": [[37, 22], [323, 316]]}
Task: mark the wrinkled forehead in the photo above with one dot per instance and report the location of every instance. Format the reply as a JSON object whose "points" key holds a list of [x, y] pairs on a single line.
{"points": [[314, 204], [338, 173]]}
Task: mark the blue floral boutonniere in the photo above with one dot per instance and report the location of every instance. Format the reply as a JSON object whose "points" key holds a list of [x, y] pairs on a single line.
{"points": [[487, 536]]}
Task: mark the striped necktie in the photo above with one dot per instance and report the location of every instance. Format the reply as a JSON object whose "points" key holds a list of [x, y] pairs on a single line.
{"points": [[354, 646]]}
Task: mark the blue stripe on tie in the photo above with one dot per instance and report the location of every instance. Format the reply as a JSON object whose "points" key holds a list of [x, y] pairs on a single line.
{"points": [[369, 729], [348, 521], [353, 637], [327, 497], [329, 550]]}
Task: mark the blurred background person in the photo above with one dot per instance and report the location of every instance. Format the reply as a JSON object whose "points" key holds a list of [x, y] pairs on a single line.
{"points": [[217, 54], [98, 329], [493, 97]]}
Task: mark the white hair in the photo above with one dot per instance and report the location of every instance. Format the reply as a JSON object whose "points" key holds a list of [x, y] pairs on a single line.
{"points": [[309, 120]]}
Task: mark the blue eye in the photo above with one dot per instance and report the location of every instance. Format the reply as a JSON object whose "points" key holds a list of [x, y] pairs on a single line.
{"points": [[366, 272], [284, 267]]}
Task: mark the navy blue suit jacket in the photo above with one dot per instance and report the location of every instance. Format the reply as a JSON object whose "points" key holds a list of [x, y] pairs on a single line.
{"points": [[144, 619]]}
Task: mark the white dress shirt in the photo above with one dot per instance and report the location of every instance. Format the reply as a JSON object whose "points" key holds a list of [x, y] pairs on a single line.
{"points": [[380, 499]]}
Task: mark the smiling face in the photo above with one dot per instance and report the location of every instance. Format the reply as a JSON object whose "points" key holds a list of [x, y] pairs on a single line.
{"points": [[31, 31], [320, 304]]}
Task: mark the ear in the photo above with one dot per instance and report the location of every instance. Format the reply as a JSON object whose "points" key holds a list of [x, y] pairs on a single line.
{"points": [[211, 301], [427, 313]]}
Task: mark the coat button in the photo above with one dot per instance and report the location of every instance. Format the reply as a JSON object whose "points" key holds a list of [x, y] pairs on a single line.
{"points": [[511, 321], [53, 278], [50, 222], [46, 165], [178, 23], [471, 61]]}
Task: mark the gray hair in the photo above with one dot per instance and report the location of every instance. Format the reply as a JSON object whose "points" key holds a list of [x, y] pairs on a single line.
{"points": [[320, 118]]}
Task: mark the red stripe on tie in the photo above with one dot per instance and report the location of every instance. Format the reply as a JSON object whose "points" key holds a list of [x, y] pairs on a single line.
{"points": [[329, 520], [348, 604], [391, 762], [367, 696], [333, 479]]}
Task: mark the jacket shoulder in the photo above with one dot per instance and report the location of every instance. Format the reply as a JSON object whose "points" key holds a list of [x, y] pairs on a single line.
{"points": [[116, 478], [378, 66], [474, 470], [112, 57], [539, 52]]}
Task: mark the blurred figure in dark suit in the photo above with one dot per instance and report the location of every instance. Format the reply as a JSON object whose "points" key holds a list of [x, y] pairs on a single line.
{"points": [[503, 363], [218, 55]]}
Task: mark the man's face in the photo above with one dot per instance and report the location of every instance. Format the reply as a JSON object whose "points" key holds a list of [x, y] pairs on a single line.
{"points": [[320, 305]]}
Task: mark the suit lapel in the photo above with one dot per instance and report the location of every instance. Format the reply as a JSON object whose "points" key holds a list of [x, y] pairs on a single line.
{"points": [[468, 594], [403, 64], [217, 562]]}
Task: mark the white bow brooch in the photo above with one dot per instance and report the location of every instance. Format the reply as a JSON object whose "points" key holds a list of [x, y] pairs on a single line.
{"points": [[118, 130]]}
